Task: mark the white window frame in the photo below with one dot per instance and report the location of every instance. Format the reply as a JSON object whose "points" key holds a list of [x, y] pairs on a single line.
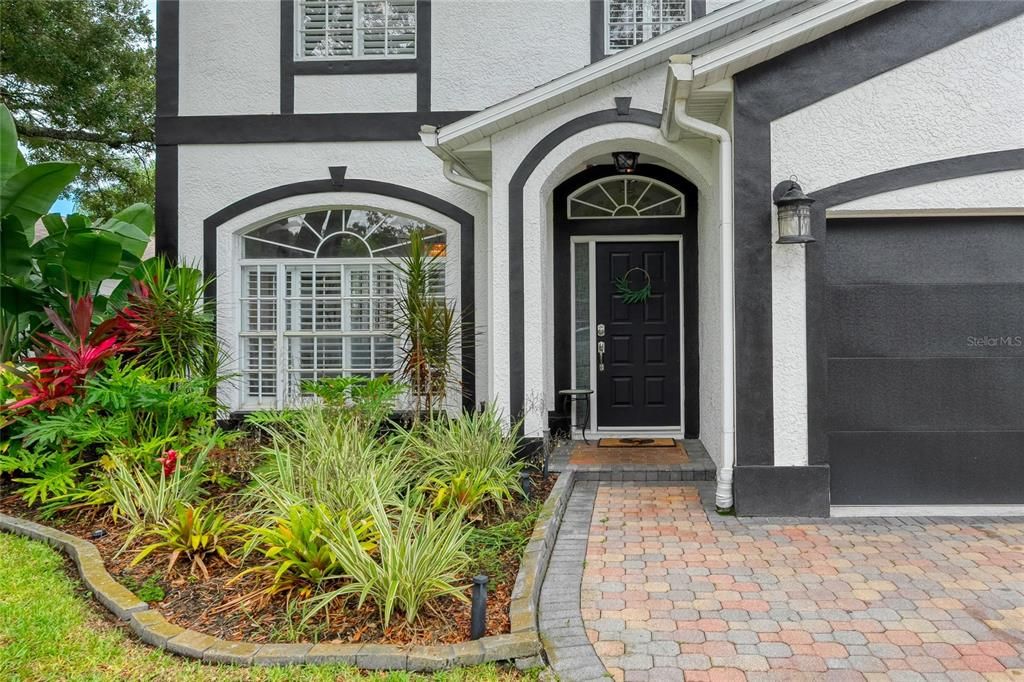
{"points": [[282, 332], [357, 46], [647, 24], [676, 194], [284, 396], [591, 240]]}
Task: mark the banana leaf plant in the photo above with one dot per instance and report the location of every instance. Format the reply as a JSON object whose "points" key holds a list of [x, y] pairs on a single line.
{"points": [[71, 261]]}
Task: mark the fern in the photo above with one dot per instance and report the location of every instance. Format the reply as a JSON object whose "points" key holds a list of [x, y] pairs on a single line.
{"points": [[56, 478], [24, 460]]}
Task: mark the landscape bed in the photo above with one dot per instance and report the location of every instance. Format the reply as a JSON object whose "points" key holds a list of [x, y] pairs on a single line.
{"points": [[212, 606], [324, 520]]}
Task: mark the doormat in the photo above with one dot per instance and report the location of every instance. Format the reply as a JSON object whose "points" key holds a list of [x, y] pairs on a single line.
{"points": [[636, 443], [612, 458]]}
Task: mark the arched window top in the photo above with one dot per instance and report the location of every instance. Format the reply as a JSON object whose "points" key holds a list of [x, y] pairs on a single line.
{"points": [[341, 232], [625, 196]]}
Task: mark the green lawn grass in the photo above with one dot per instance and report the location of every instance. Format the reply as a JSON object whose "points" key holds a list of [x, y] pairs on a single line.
{"points": [[51, 629]]}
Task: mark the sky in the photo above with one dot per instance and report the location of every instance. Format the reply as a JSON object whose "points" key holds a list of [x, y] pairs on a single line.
{"points": [[66, 206]]}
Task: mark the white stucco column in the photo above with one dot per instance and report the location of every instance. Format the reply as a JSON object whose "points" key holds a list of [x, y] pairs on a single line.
{"points": [[498, 320], [789, 351]]}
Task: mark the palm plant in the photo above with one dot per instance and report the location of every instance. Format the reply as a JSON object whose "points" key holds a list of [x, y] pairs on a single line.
{"points": [[430, 329], [175, 334]]}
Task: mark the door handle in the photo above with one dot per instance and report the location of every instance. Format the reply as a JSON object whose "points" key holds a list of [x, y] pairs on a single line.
{"points": [[600, 356]]}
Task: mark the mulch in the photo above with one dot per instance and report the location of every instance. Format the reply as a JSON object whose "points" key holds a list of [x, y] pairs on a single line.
{"points": [[217, 608]]}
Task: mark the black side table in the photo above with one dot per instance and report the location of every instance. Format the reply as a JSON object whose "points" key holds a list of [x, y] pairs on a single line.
{"points": [[569, 397]]}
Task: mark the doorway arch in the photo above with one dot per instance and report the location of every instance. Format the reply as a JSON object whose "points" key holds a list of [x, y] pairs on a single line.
{"points": [[684, 226]]}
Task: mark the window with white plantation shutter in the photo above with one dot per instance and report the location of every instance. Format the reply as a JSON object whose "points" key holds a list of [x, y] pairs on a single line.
{"points": [[319, 296], [356, 29], [631, 22]]}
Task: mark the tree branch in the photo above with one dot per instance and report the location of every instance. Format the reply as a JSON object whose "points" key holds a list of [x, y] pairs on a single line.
{"points": [[116, 142]]}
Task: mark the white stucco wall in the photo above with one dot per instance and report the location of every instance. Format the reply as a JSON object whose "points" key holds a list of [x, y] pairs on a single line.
{"points": [[213, 176], [992, 192], [693, 159], [964, 99], [482, 52], [355, 93], [229, 57], [485, 51]]}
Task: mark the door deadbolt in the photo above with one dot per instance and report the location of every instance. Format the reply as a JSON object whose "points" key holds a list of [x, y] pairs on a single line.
{"points": [[600, 330]]}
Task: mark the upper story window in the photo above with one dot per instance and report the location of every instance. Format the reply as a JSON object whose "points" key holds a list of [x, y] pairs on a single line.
{"points": [[631, 22], [625, 197], [356, 29]]}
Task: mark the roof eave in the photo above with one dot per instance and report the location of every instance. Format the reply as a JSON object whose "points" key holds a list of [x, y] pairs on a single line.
{"points": [[505, 113]]}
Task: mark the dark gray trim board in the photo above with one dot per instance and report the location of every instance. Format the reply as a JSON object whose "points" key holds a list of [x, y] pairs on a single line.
{"points": [[597, 31], [166, 201], [244, 128], [167, 47], [287, 46], [516, 292], [898, 178], [781, 490], [166, 197], [768, 91], [291, 67], [423, 70], [466, 246]]}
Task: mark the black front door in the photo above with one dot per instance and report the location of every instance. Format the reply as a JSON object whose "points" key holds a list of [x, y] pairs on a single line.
{"points": [[638, 381]]}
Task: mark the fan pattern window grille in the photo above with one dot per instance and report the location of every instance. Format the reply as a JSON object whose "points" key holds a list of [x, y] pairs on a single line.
{"points": [[631, 22], [319, 297], [361, 29], [625, 197]]}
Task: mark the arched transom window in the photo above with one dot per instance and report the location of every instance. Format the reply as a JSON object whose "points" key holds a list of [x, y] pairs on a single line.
{"points": [[318, 298], [627, 196]]}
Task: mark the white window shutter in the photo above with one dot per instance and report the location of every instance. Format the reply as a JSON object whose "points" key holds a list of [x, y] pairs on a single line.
{"points": [[356, 29]]}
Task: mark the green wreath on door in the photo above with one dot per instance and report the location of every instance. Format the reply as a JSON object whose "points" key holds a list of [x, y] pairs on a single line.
{"points": [[626, 290]]}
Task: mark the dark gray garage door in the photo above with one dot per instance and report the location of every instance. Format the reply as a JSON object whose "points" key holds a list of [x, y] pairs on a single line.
{"points": [[926, 360]]}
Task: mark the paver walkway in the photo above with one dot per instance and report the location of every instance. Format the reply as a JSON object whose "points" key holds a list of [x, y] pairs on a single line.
{"points": [[670, 590]]}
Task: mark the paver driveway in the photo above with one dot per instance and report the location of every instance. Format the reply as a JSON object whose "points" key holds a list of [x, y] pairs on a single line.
{"points": [[670, 590]]}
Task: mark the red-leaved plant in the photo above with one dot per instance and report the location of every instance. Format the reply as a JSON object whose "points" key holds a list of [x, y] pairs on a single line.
{"points": [[65, 365]]}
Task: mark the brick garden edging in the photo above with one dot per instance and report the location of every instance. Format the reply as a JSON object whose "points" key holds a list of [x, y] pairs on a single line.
{"points": [[522, 644]]}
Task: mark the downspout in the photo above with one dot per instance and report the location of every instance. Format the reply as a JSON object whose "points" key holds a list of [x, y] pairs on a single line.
{"points": [[723, 493], [428, 135], [463, 181]]}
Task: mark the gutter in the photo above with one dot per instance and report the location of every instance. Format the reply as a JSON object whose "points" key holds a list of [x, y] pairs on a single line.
{"points": [[676, 119]]}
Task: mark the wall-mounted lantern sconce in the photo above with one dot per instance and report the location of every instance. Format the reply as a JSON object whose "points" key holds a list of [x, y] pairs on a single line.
{"points": [[625, 162], [794, 212]]}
